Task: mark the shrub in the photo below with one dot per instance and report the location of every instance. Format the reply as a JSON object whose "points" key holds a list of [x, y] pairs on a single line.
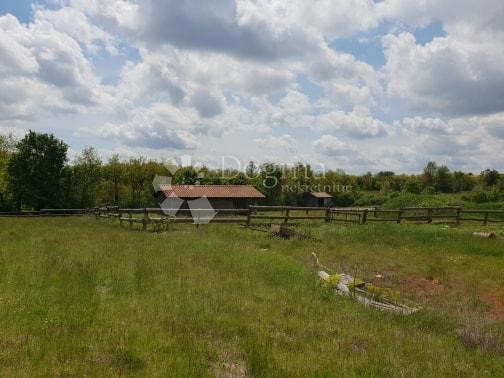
{"points": [[344, 199], [480, 195], [371, 199], [429, 190], [411, 187]]}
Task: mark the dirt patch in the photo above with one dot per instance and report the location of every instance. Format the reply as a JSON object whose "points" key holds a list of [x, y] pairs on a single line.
{"points": [[496, 304], [359, 346], [422, 286], [229, 366]]}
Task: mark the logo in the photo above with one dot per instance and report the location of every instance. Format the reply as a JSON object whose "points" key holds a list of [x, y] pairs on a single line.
{"points": [[200, 208]]}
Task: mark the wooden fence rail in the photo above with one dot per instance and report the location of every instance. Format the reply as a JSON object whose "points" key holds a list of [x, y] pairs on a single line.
{"points": [[365, 215], [269, 214], [46, 213], [161, 218]]}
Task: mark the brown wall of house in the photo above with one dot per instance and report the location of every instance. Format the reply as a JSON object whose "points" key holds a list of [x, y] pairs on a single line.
{"points": [[217, 203]]}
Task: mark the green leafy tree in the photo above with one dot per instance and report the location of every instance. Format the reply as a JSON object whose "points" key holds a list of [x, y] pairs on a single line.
{"points": [[35, 171], [443, 179], [252, 170], [136, 180], [88, 176], [429, 174], [367, 182], [187, 176], [462, 182], [411, 187], [113, 172], [271, 182], [7, 147], [489, 177]]}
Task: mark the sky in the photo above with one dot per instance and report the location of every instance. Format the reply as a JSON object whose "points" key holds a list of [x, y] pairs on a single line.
{"points": [[358, 85]]}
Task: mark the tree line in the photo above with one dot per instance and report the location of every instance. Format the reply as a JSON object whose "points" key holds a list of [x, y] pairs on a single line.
{"points": [[35, 173]]}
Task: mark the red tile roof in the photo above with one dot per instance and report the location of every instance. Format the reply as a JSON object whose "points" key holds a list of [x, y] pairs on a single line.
{"points": [[321, 195], [211, 191]]}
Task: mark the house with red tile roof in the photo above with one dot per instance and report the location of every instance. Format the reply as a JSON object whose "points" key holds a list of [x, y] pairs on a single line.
{"points": [[219, 196]]}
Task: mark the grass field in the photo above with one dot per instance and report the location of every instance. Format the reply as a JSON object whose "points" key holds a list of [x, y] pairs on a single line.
{"points": [[85, 297]]}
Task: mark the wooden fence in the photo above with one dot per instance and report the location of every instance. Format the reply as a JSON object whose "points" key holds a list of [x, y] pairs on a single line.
{"points": [[160, 218], [365, 215], [46, 213], [276, 214]]}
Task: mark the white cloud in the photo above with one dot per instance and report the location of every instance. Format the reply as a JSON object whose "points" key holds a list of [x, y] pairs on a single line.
{"points": [[283, 143], [118, 15], [446, 76], [75, 23], [222, 26], [458, 18], [207, 104], [340, 18], [333, 146], [160, 126], [43, 71], [353, 125], [14, 56]]}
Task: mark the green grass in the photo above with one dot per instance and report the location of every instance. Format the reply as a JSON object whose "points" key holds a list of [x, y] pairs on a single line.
{"points": [[86, 297], [397, 200]]}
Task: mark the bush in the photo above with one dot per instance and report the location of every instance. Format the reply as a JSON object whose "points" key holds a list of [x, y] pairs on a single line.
{"points": [[480, 195], [429, 190], [344, 199], [371, 199], [411, 187]]}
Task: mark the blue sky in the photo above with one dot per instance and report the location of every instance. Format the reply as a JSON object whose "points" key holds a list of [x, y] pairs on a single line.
{"points": [[355, 85], [20, 8]]}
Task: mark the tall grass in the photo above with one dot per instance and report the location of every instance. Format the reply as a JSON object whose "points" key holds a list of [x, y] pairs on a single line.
{"points": [[83, 297]]}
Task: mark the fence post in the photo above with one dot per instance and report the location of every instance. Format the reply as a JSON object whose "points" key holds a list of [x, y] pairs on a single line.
{"points": [[286, 219], [145, 220], [457, 218], [364, 216], [399, 216], [248, 216], [429, 215], [486, 218], [328, 215]]}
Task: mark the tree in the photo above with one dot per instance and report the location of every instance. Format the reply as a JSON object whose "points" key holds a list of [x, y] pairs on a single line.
{"points": [[187, 176], [489, 177], [271, 182], [136, 179], [429, 174], [7, 147], [411, 187], [252, 170], [113, 172], [366, 182], [462, 182], [88, 174], [443, 179], [36, 170]]}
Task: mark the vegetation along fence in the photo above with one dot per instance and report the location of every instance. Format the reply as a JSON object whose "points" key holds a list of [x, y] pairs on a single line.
{"points": [[159, 218]]}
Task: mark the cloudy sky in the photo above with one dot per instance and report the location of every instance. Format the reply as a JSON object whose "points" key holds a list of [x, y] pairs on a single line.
{"points": [[353, 84]]}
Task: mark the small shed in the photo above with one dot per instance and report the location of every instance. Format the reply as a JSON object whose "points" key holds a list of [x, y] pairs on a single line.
{"points": [[219, 196], [318, 199]]}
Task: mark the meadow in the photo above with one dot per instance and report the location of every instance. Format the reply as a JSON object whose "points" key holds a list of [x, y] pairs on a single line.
{"points": [[87, 297]]}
